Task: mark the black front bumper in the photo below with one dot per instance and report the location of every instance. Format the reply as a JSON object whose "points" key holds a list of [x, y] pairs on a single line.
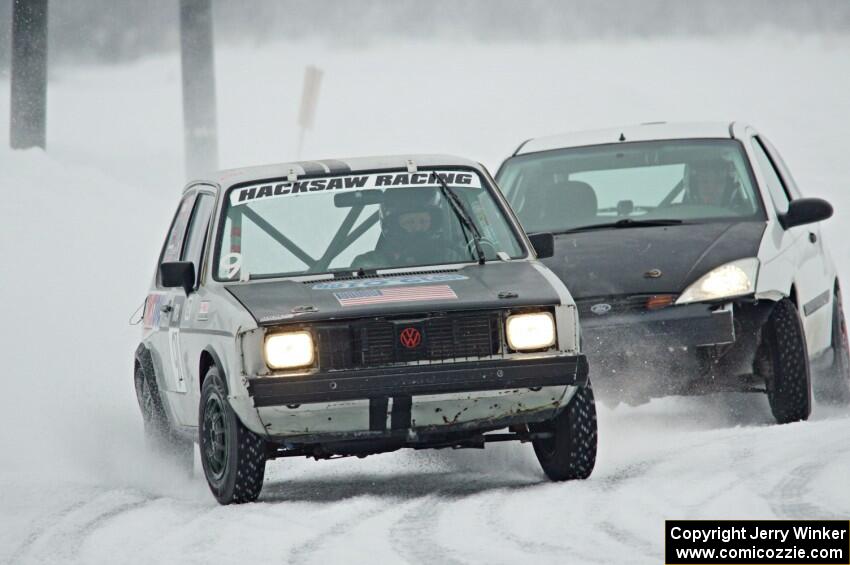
{"points": [[687, 349], [674, 326], [410, 380]]}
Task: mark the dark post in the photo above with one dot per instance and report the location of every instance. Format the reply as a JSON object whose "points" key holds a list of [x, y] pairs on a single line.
{"points": [[199, 108], [29, 74]]}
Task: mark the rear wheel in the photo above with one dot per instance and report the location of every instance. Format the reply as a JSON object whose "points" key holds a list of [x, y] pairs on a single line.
{"points": [[233, 457], [160, 438], [570, 453], [785, 364], [833, 386]]}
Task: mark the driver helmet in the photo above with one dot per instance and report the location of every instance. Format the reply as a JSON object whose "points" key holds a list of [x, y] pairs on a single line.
{"points": [[710, 181], [411, 218]]}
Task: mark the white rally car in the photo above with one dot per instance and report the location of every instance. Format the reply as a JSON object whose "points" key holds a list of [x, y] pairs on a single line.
{"points": [[350, 307], [696, 262]]}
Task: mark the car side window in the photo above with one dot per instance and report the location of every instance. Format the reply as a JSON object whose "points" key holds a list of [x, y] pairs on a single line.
{"points": [[777, 190], [174, 243], [193, 249]]}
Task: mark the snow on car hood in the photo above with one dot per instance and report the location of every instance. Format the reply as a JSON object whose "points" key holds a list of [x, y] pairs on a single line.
{"points": [[610, 262], [470, 288]]}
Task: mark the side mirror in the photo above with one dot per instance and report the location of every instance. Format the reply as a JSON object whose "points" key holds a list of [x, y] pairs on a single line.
{"points": [[805, 211], [543, 243], [178, 274]]}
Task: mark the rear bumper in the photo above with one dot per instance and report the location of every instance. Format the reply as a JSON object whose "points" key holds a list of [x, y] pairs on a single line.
{"points": [[411, 380]]}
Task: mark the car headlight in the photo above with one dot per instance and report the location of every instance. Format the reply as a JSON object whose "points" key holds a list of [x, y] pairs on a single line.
{"points": [[530, 331], [732, 279], [289, 350]]}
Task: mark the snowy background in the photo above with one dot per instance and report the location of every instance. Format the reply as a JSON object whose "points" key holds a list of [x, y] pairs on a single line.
{"points": [[82, 224]]}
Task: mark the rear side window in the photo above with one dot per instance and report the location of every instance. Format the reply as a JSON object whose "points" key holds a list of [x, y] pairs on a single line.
{"points": [[774, 183], [193, 249], [174, 243]]}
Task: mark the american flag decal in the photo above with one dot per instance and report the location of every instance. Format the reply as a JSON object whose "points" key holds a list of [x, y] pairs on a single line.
{"points": [[395, 294]]}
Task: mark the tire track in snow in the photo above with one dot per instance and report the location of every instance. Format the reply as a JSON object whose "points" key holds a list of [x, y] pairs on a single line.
{"points": [[419, 524], [789, 494], [41, 529], [616, 481], [622, 479], [87, 529], [65, 535], [493, 512], [606, 486], [787, 498], [304, 550], [628, 539]]}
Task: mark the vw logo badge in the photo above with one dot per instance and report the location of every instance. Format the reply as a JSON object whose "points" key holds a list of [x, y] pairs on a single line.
{"points": [[410, 338], [653, 273], [600, 309]]}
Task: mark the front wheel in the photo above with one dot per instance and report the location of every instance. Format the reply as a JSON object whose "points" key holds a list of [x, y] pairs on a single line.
{"points": [[233, 457], [570, 452], [786, 364]]}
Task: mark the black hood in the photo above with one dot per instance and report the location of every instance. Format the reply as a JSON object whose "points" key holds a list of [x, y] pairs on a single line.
{"points": [[611, 262], [474, 287]]}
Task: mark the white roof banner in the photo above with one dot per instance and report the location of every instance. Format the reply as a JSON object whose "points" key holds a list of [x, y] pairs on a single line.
{"points": [[321, 185]]}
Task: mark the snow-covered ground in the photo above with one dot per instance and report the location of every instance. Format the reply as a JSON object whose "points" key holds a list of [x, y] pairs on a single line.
{"points": [[80, 231]]}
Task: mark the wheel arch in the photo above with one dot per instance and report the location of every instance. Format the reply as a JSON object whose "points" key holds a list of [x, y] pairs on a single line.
{"points": [[209, 358], [792, 295]]}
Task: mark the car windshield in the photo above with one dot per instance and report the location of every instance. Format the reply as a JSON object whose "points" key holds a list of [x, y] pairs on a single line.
{"points": [[361, 222], [631, 184]]}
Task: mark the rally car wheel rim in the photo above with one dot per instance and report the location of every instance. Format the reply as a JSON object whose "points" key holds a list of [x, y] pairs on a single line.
{"points": [[215, 449]]}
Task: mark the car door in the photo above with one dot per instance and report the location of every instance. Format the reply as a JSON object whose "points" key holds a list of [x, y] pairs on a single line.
{"points": [[813, 273], [799, 249], [181, 352], [162, 301]]}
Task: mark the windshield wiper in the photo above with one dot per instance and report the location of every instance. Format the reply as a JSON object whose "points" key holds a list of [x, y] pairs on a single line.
{"points": [[624, 223], [462, 216]]}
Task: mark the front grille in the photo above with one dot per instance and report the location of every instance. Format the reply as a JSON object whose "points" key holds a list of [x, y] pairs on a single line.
{"points": [[375, 343]]}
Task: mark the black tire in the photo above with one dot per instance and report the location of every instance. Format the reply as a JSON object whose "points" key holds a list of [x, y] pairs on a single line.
{"points": [[833, 385], [160, 438], [570, 453], [233, 457], [786, 367]]}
